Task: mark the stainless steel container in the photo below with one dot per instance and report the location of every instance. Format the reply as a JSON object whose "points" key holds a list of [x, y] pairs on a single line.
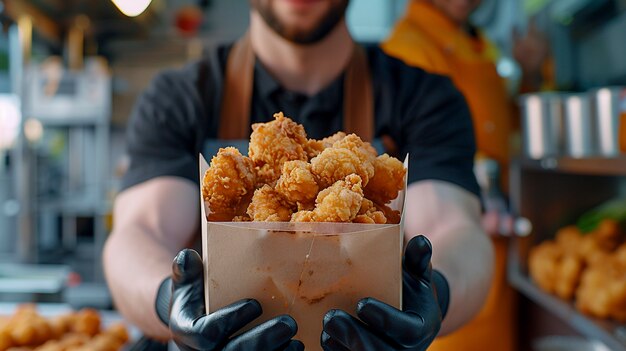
{"points": [[580, 129], [542, 124], [606, 103]]}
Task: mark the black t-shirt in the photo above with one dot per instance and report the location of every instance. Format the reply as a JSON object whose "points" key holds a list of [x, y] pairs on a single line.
{"points": [[423, 113]]}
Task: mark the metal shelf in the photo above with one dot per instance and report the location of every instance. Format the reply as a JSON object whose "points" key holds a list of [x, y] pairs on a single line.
{"points": [[584, 166], [612, 334], [72, 122]]}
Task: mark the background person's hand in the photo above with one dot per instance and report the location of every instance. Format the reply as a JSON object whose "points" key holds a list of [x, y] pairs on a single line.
{"points": [[192, 329], [530, 51], [381, 327]]}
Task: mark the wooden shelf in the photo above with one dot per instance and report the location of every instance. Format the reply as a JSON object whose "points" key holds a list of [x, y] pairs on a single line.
{"points": [[589, 166], [610, 333]]}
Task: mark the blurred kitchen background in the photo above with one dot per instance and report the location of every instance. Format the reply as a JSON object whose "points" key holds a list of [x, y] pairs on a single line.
{"points": [[70, 71]]}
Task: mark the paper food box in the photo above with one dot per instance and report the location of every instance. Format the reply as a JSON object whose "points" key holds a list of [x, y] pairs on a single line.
{"points": [[301, 269]]}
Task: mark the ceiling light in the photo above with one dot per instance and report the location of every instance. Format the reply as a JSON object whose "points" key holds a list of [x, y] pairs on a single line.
{"points": [[132, 8]]}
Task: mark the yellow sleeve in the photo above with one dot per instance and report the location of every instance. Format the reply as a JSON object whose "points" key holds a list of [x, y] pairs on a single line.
{"points": [[410, 45]]}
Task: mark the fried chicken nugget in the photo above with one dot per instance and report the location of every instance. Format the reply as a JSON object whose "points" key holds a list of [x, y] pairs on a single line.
{"points": [[303, 216], [388, 179], [393, 216], [363, 149], [329, 141], [268, 206], [274, 143], [369, 214], [315, 147], [228, 180], [297, 184], [334, 164], [338, 203]]}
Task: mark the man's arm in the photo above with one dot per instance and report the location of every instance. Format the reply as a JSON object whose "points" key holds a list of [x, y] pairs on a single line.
{"points": [[450, 217], [153, 221]]}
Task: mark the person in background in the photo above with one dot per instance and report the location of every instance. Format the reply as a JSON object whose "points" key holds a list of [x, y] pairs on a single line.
{"points": [[436, 35], [298, 57]]}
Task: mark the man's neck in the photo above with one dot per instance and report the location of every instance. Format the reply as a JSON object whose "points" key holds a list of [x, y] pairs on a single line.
{"points": [[305, 69]]}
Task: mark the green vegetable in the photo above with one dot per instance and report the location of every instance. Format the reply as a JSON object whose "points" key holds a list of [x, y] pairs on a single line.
{"points": [[613, 209]]}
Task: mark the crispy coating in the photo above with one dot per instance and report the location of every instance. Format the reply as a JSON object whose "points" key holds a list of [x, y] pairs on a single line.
{"points": [[338, 203], [393, 216], [364, 150], [313, 148], [242, 218], [268, 206], [388, 180], [369, 214], [297, 184], [303, 216], [334, 164], [274, 143], [329, 141], [341, 201], [227, 181]]}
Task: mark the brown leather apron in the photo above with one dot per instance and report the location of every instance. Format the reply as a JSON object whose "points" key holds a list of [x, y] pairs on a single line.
{"points": [[358, 106]]}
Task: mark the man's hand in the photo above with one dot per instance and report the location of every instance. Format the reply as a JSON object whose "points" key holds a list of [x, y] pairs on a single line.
{"points": [[192, 329], [382, 327]]}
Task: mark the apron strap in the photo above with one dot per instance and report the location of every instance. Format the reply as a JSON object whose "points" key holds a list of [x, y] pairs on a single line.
{"points": [[237, 93], [358, 103], [238, 86]]}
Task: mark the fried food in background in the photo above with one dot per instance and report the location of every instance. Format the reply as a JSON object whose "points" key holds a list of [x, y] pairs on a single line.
{"points": [[336, 179], [602, 291], [27, 330], [588, 267]]}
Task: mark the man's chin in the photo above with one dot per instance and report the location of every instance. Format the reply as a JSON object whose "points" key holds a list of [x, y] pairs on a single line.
{"points": [[303, 28]]}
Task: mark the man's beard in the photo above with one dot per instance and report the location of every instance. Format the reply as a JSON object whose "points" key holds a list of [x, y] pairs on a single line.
{"points": [[321, 30]]}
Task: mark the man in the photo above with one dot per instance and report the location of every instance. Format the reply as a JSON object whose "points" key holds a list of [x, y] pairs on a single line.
{"points": [[302, 52], [436, 35]]}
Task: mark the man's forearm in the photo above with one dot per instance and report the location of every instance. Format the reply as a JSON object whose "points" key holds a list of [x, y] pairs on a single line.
{"points": [[450, 217], [468, 272], [135, 267]]}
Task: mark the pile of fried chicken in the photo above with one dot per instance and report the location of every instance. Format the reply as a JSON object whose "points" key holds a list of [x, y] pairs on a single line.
{"points": [[289, 177], [27, 330], [590, 267]]}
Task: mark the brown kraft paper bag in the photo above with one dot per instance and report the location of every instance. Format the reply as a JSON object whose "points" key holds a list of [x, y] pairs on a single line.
{"points": [[301, 269]]}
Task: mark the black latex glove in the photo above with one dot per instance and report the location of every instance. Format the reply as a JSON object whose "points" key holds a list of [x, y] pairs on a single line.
{"points": [[381, 327], [192, 329]]}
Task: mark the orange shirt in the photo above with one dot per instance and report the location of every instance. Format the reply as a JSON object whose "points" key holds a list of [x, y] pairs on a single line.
{"points": [[428, 39]]}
